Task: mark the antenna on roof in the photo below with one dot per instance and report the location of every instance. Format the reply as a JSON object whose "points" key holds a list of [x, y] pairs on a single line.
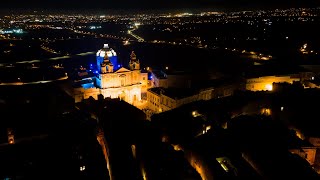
{"points": [[106, 46]]}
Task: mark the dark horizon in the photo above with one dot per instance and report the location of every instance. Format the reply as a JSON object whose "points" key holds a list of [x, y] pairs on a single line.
{"points": [[132, 11], [156, 5]]}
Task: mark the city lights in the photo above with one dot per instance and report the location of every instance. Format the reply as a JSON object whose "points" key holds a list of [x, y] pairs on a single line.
{"points": [[171, 94]]}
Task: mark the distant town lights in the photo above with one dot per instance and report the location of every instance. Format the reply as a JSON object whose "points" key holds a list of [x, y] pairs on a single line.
{"points": [[82, 168], [305, 46], [137, 24]]}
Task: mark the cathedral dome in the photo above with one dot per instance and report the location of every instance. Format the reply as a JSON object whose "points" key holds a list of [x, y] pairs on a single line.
{"points": [[106, 51]]}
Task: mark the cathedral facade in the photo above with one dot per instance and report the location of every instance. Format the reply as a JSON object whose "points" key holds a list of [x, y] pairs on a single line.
{"points": [[113, 80]]}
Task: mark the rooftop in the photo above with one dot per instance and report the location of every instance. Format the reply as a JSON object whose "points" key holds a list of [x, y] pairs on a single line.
{"points": [[83, 82], [174, 93], [214, 83], [179, 93], [273, 70], [156, 90], [159, 74]]}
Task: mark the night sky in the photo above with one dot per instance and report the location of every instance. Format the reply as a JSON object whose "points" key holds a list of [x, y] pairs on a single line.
{"points": [[156, 4]]}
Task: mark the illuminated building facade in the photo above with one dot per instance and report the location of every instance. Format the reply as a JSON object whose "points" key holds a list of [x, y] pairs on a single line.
{"points": [[165, 99], [114, 81], [266, 83]]}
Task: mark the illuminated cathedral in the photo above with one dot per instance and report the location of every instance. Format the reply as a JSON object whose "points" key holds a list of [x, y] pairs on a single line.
{"points": [[112, 80]]}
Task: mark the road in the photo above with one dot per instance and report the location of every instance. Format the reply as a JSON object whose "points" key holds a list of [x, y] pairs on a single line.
{"points": [[35, 82], [25, 139], [50, 59], [130, 32], [105, 149]]}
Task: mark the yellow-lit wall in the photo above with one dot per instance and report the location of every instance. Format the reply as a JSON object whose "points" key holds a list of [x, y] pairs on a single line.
{"points": [[81, 93], [168, 103], [312, 85], [199, 163], [126, 78], [144, 82], [126, 93], [153, 102], [206, 94], [311, 154], [187, 100], [265, 83], [308, 154], [160, 102]]}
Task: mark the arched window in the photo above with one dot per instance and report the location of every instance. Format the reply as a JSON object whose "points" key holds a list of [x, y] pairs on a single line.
{"points": [[123, 79]]}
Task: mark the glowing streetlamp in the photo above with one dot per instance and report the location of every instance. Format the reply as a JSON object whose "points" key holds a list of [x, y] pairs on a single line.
{"points": [[269, 87]]}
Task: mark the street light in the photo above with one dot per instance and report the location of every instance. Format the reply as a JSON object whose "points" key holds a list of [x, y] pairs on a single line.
{"points": [[195, 113], [269, 87]]}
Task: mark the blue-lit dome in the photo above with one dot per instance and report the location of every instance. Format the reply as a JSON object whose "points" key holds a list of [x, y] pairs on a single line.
{"points": [[106, 51]]}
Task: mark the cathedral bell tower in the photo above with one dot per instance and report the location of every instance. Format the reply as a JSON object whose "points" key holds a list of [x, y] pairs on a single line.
{"points": [[106, 66], [134, 63]]}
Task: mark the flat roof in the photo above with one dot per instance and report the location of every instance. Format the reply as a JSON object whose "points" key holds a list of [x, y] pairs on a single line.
{"points": [[215, 83], [156, 90], [179, 93], [174, 93], [273, 70]]}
